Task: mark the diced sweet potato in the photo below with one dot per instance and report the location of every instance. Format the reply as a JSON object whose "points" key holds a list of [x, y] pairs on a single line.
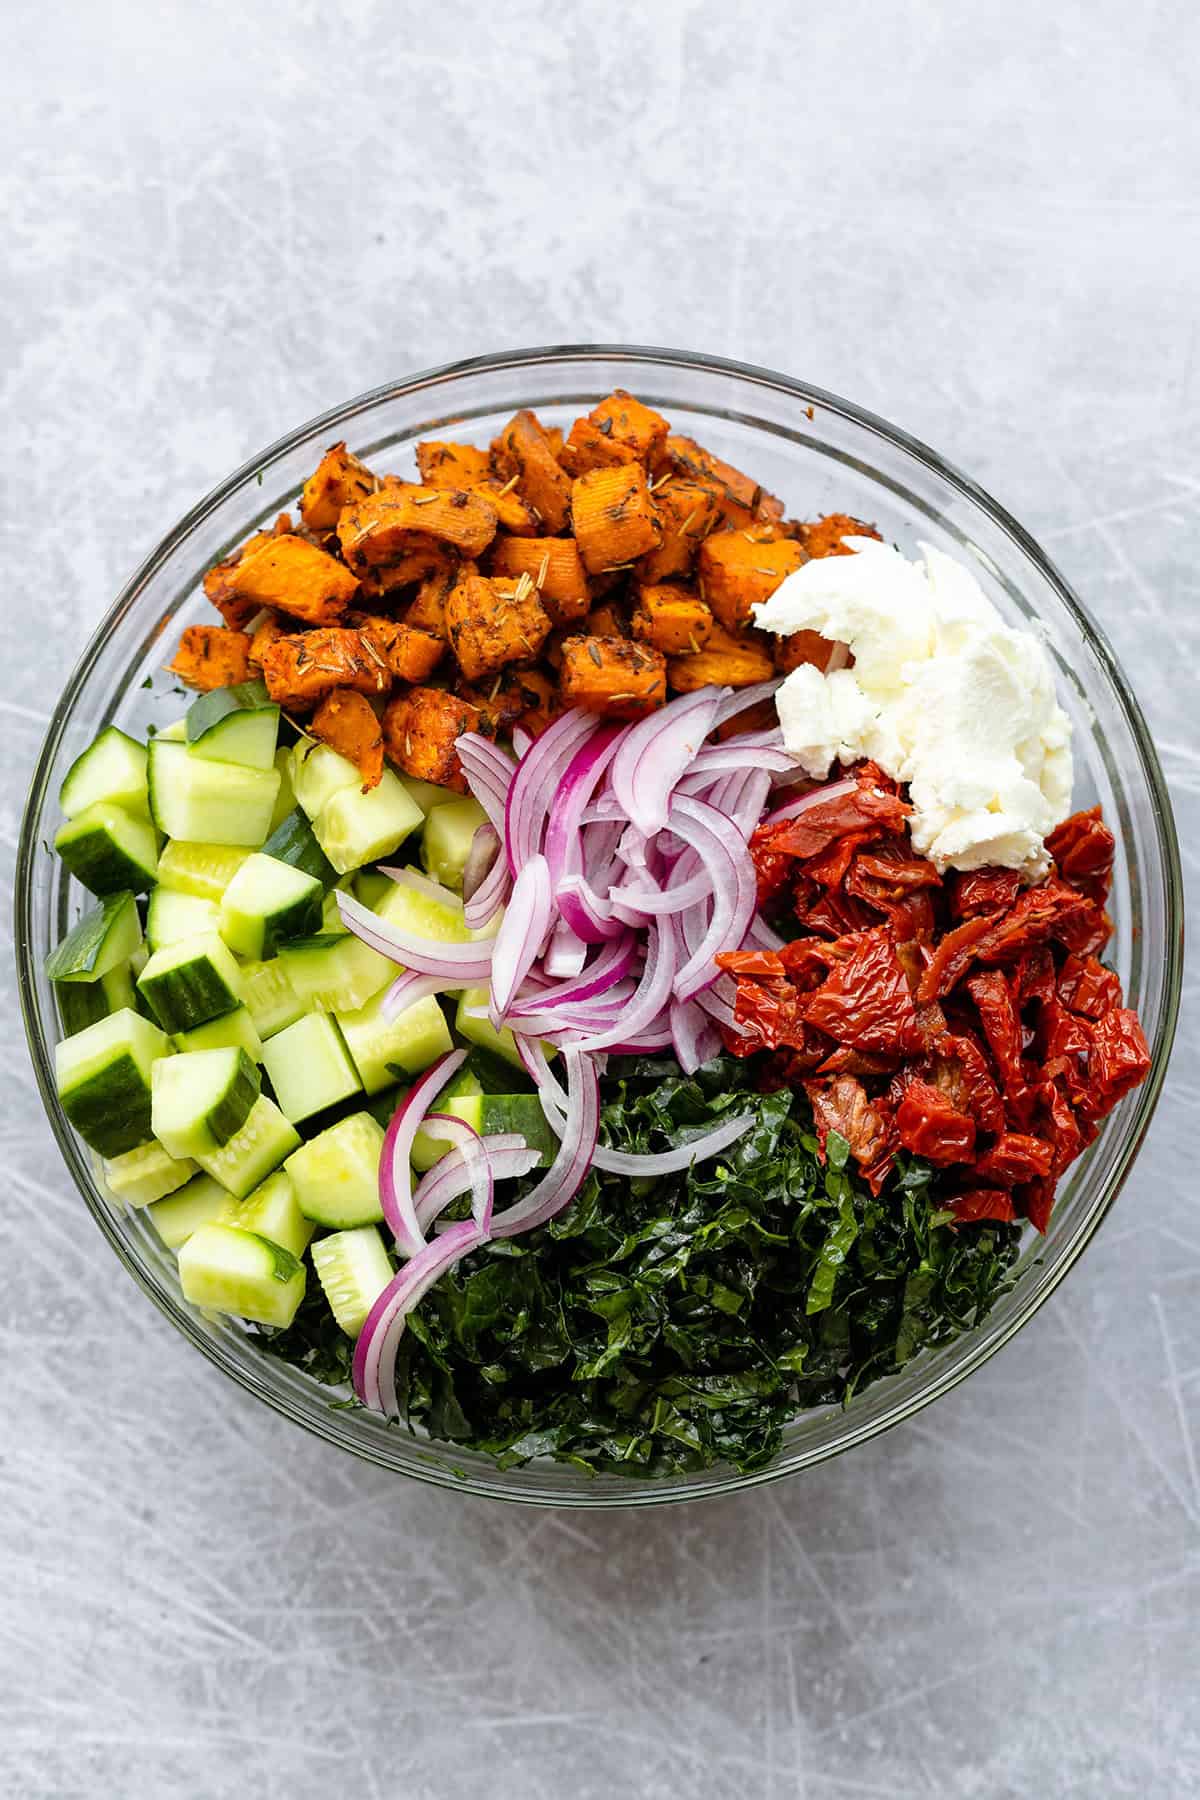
{"points": [[525, 449], [421, 728], [556, 568], [263, 635], [347, 722], [447, 465], [823, 537], [211, 656], [297, 578], [589, 447], [542, 701], [525, 697], [613, 517], [427, 610], [382, 528], [673, 619], [493, 622], [612, 676], [301, 668], [423, 557], [606, 621], [554, 438], [234, 609], [410, 654], [725, 661], [688, 511], [734, 573], [512, 514], [627, 421], [800, 647], [741, 499], [337, 479]]}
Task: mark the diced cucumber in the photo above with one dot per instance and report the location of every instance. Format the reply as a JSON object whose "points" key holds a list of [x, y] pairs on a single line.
{"points": [[112, 769], [107, 849], [337, 1174], [202, 1202], [274, 1212], [238, 1272], [292, 841], [103, 1079], [249, 1157], [317, 774], [353, 1268], [84, 1003], [481, 1031], [147, 1173], [171, 917], [204, 870], [425, 908], [233, 1030], [522, 1113], [186, 983], [369, 886], [285, 799], [237, 724], [331, 917], [428, 1147], [354, 827], [175, 732], [426, 793], [205, 802], [309, 1067], [107, 935], [446, 840], [201, 1099], [383, 1048], [269, 997], [266, 903], [335, 973]]}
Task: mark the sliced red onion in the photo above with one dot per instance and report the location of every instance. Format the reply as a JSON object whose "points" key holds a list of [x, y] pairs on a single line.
{"points": [[520, 938], [423, 885], [374, 1369], [655, 1037], [481, 859], [637, 904], [655, 753], [587, 913], [722, 847], [395, 1174], [717, 1000], [488, 772], [412, 986], [506, 1155], [653, 993], [536, 783], [627, 1162], [473, 1162], [468, 964], [795, 808], [613, 963], [566, 953], [722, 759], [522, 740], [693, 1035], [579, 782], [491, 894], [566, 1174], [746, 697]]}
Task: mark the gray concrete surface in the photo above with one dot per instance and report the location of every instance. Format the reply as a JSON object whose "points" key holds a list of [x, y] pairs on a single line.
{"points": [[978, 220]]}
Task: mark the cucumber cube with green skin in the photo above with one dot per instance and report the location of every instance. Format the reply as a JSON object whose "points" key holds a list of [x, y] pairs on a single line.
{"points": [[266, 903], [336, 1174], [204, 870], [427, 794], [171, 917], [258, 1148], [103, 1077], [309, 1067], [112, 769], [241, 1273], [336, 972], [84, 1003], [480, 1030], [269, 996], [105, 937], [201, 1099], [205, 802], [447, 838], [354, 827], [175, 732], [353, 1268], [292, 841], [237, 724], [146, 1174], [285, 799], [273, 1211], [318, 773], [382, 1047], [107, 849], [202, 1202], [229, 1031], [420, 908], [185, 984]]}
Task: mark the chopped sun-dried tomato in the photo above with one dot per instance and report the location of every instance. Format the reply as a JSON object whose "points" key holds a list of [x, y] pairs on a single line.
{"points": [[981, 1203], [1119, 1060], [981, 1097], [1082, 846], [1064, 1041], [842, 1105], [1032, 976], [868, 808], [930, 1125], [1015, 1157], [1086, 986], [978, 891], [1001, 1026], [847, 1061], [759, 964], [832, 914], [830, 866], [808, 960], [865, 1000], [1086, 931], [1039, 913], [952, 958], [1036, 1202]]}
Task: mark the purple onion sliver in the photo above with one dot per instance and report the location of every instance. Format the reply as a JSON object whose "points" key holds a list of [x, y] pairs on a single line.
{"points": [[481, 858], [519, 941], [395, 1175], [655, 753]]}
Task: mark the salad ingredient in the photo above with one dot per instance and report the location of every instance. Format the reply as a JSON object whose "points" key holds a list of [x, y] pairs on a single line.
{"points": [[142, 1176], [943, 695], [337, 479], [202, 1201], [171, 916], [524, 455], [106, 936], [353, 1268], [203, 802], [336, 1173], [358, 825], [671, 619], [234, 1030], [737, 573], [234, 725], [612, 676], [725, 660], [266, 903], [103, 1079], [239, 1272], [613, 516], [310, 1067], [201, 1098], [112, 769], [187, 982], [204, 870], [211, 656], [301, 667], [297, 577], [421, 730], [252, 1153], [403, 519], [269, 997], [382, 1043], [346, 722], [273, 1211], [108, 849]]}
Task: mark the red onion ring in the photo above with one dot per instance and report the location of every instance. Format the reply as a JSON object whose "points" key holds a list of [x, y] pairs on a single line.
{"points": [[395, 1173]]}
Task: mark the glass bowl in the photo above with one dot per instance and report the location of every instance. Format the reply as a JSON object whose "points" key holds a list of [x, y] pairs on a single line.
{"points": [[821, 455]]}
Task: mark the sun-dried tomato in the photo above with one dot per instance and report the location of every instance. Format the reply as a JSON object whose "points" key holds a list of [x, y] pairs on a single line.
{"points": [[865, 1000], [1086, 986], [981, 1203], [931, 1126], [1037, 914], [1086, 931], [1035, 1202], [789, 1066], [868, 808], [1064, 1038], [829, 867], [895, 868], [842, 1105], [953, 957], [772, 867], [1120, 1059], [1062, 1126], [832, 913], [767, 1011], [1032, 976], [1016, 1157], [760, 965], [847, 1061], [1001, 1026], [1082, 846], [976, 891]]}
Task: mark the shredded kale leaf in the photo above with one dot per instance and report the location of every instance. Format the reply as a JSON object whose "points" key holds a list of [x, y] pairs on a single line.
{"points": [[666, 1325]]}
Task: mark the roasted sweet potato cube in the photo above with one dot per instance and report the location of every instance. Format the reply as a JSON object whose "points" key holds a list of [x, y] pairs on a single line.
{"points": [[264, 634], [541, 700], [741, 499], [589, 447], [493, 622], [421, 728], [411, 655], [424, 557], [525, 449], [235, 610], [612, 676], [627, 421], [211, 656], [386, 526], [427, 609], [299, 669], [687, 511], [725, 661], [556, 568], [613, 517], [349, 724], [512, 513], [293, 575], [823, 537], [337, 479], [447, 465], [800, 647], [734, 574], [672, 618], [607, 620]]}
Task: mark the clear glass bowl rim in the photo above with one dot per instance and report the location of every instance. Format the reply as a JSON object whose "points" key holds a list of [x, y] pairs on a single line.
{"points": [[635, 355]]}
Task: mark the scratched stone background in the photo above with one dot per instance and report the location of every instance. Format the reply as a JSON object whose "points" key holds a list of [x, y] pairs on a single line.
{"points": [[981, 221]]}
